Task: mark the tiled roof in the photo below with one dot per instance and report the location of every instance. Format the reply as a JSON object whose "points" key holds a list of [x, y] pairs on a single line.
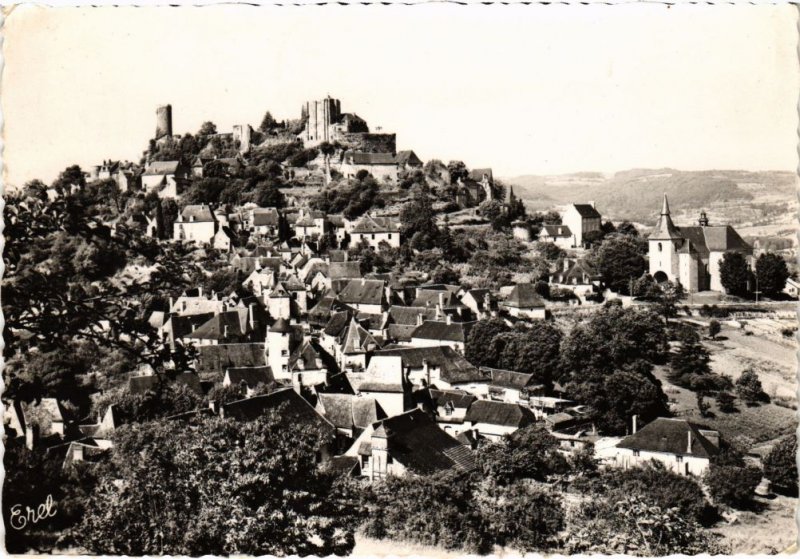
{"points": [[586, 210], [432, 297], [499, 413], [363, 291], [338, 322], [236, 322], [348, 411], [345, 270], [309, 356], [557, 231], [454, 367], [369, 224], [162, 168], [672, 436], [218, 358], [266, 217], [252, 376], [293, 409], [197, 213], [509, 379], [524, 296], [439, 330], [458, 398], [416, 441], [410, 315]]}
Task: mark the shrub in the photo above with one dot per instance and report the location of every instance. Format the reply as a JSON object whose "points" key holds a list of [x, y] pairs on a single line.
{"points": [[748, 386], [725, 402], [780, 466], [732, 485]]}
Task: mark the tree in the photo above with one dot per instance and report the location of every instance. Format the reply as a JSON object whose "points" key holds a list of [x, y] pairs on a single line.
{"points": [[457, 171], [327, 149], [732, 485], [780, 466], [528, 453], [734, 273], [619, 260], [772, 273], [550, 251], [418, 223], [207, 129], [477, 348], [534, 350], [268, 122], [702, 405], [725, 402], [268, 195], [627, 228], [714, 328], [748, 386], [218, 486], [690, 365]]}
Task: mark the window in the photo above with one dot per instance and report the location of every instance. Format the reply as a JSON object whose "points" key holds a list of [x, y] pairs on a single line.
{"points": [[373, 235], [679, 458], [636, 453], [659, 247], [284, 352], [390, 235]]}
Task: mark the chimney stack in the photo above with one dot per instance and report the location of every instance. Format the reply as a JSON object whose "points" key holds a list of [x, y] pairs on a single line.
{"points": [[225, 332], [251, 316], [420, 320], [448, 319], [689, 441], [634, 424]]}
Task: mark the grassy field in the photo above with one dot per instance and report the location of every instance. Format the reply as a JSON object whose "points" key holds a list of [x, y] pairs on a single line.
{"points": [[773, 530]]}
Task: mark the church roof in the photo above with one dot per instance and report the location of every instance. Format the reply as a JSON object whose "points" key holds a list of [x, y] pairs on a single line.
{"points": [[664, 230]]}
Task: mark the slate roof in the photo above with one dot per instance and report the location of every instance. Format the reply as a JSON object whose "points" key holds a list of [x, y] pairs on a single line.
{"points": [[345, 270], [369, 224], [431, 298], [236, 321], [200, 213], [441, 331], [499, 413], [338, 322], [251, 376], [310, 356], [343, 465], [218, 358], [524, 296], [586, 211], [407, 157], [358, 339], [714, 238], [454, 367], [248, 264], [142, 383], [670, 436], [181, 326], [293, 409], [415, 440], [410, 315], [363, 291]]}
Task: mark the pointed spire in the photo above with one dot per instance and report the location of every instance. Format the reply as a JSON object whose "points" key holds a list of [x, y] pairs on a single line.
{"points": [[665, 206], [665, 229]]}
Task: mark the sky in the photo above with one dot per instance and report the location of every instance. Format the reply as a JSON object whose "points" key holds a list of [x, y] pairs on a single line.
{"points": [[522, 89]]}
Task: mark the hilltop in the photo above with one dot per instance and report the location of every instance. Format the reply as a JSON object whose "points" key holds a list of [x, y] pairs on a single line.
{"points": [[743, 197]]}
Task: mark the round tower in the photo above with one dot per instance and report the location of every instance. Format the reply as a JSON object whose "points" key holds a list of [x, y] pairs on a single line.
{"points": [[163, 121]]}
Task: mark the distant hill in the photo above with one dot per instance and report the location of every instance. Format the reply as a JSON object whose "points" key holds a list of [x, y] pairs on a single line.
{"points": [[736, 197]]}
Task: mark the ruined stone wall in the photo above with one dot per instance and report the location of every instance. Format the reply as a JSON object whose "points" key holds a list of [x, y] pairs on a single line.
{"points": [[369, 142]]}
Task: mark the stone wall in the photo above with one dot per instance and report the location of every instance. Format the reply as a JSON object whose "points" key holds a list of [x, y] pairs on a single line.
{"points": [[369, 142]]}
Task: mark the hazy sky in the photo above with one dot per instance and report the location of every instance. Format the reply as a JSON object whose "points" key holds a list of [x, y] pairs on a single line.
{"points": [[523, 89]]}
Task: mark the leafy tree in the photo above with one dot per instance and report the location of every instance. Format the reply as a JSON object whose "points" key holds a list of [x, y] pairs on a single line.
{"points": [[714, 328], [35, 189], [619, 261], [528, 453], [534, 350], [268, 195], [748, 386], [732, 485], [218, 486], [477, 348], [457, 171], [418, 223], [550, 251], [690, 366], [628, 229], [772, 273], [780, 466], [702, 405], [207, 129], [734, 273], [167, 398]]}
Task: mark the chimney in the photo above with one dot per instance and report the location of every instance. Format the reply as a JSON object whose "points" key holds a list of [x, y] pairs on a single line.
{"points": [[171, 303], [420, 319], [689, 441], [200, 291], [31, 436], [225, 332], [252, 316], [634, 424], [213, 405], [448, 319], [487, 301], [441, 300], [566, 264], [426, 370]]}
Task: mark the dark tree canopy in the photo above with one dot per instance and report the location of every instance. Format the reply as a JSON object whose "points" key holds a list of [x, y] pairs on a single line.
{"points": [[734, 273], [620, 261], [772, 273], [780, 466]]}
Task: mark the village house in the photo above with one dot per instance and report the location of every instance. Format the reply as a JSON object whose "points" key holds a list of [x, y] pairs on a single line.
{"points": [[451, 408], [408, 444], [559, 235], [578, 276], [382, 166], [248, 378], [511, 386], [679, 445], [384, 381], [691, 255], [581, 219], [494, 420], [265, 222], [408, 160], [440, 367], [524, 302], [374, 231], [442, 333], [165, 178], [363, 295], [310, 223], [480, 302], [195, 223], [351, 414], [310, 364]]}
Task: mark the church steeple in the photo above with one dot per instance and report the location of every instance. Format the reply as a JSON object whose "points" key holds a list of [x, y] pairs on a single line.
{"points": [[665, 230]]}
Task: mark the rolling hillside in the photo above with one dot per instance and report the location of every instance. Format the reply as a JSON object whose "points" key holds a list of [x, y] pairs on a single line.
{"points": [[743, 198]]}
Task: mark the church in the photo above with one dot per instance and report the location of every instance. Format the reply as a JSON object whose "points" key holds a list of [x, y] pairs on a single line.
{"points": [[691, 255]]}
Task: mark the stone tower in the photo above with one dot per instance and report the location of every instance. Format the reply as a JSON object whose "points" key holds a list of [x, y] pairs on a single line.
{"points": [[663, 249], [163, 121], [321, 116], [241, 133]]}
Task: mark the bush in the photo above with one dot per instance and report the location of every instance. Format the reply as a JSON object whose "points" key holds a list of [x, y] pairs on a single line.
{"points": [[732, 485], [780, 466], [725, 402], [748, 386]]}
